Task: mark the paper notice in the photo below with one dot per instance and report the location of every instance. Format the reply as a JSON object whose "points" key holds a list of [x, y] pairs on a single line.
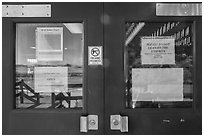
{"points": [[51, 79], [157, 84], [49, 43], [158, 50]]}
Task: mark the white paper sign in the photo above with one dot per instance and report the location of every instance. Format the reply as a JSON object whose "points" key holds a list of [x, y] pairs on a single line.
{"points": [[51, 79], [157, 84], [95, 55], [49, 43], [158, 50]]}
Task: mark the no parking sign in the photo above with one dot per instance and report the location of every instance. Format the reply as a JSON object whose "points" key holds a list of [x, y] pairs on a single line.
{"points": [[95, 55]]}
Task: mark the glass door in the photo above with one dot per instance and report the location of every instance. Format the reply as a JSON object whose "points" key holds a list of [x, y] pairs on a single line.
{"points": [[47, 82], [56, 76], [152, 80]]}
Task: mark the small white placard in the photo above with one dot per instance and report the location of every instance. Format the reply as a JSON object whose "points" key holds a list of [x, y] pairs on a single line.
{"points": [[158, 50], [49, 43], [27, 10], [51, 79], [157, 84], [95, 55]]}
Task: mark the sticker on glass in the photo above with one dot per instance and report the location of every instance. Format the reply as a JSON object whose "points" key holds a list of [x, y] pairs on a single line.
{"points": [[95, 55], [157, 84], [158, 50], [49, 43]]}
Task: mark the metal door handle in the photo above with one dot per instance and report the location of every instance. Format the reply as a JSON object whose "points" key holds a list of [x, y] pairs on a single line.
{"points": [[118, 122], [89, 122]]}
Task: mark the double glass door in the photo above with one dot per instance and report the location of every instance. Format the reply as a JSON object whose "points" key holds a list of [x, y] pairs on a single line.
{"points": [[92, 68]]}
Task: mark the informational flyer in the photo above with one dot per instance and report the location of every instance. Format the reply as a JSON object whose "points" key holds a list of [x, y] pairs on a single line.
{"points": [[49, 43], [157, 84], [51, 79], [158, 50]]}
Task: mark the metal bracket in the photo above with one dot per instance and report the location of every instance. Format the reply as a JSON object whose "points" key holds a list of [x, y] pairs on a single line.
{"points": [[89, 122], [119, 122], [40, 10]]}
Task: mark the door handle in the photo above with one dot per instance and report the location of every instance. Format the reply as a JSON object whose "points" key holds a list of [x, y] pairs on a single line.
{"points": [[89, 122], [118, 122]]}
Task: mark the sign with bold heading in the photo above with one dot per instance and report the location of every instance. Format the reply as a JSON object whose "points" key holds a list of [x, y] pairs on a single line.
{"points": [[158, 50], [95, 55]]}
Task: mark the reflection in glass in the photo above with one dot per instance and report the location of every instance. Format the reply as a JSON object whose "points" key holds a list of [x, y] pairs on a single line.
{"points": [[161, 75], [49, 65]]}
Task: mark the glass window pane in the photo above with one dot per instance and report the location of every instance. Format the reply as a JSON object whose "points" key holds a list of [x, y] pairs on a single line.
{"points": [[158, 61], [49, 65]]}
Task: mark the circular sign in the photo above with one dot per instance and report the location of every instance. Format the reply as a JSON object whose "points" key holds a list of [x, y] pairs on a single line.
{"points": [[95, 52]]}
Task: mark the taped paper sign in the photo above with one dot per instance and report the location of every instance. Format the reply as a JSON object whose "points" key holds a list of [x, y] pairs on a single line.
{"points": [[51, 79], [49, 43], [157, 84], [158, 50]]}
